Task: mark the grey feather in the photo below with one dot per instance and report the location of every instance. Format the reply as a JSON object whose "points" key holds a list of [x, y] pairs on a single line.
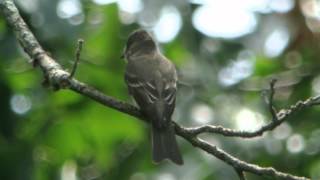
{"points": [[165, 146]]}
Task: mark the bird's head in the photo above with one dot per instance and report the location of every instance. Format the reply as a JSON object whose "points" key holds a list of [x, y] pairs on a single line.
{"points": [[140, 42]]}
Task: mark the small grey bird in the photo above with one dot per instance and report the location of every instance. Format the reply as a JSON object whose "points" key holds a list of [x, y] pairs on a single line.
{"points": [[152, 81]]}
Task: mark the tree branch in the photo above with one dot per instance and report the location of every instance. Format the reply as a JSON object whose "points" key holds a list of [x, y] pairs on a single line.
{"points": [[272, 109], [240, 173], [78, 52], [281, 116], [59, 78]]}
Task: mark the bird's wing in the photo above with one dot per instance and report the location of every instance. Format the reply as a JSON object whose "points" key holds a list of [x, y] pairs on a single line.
{"points": [[170, 84], [155, 91], [169, 95], [143, 91]]}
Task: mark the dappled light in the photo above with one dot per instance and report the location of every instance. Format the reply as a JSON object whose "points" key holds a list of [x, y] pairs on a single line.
{"points": [[104, 2], [213, 20], [276, 42], [168, 25], [229, 116], [313, 145], [202, 114], [282, 132], [248, 120], [130, 6], [20, 104], [316, 85], [68, 8], [68, 171], [295, 143], [237, 70]]}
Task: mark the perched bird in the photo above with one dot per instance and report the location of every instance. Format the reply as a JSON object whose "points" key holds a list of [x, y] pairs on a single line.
{"points": [[152, 81]]}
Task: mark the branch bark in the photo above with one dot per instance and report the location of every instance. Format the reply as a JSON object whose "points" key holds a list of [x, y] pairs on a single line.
{"points": [[240, 174], [76, 61], [277, 120], [58, 78]]}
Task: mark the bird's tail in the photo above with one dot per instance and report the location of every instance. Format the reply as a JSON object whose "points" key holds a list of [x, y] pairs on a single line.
{"points": [[164, 145]]}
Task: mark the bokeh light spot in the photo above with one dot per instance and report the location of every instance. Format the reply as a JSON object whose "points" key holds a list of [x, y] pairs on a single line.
{"points": [[202, 114], [295, 143], [168, 25], [313, 143], [130, 6], [69, 170], [127, 18], [316, 85], [282, 6], [219, 19], [76, 20], [282, 132], [20, 104], [276, 42], [165, 176], [235, 72], [104, 2], [248, 120], [68, 8], [310, 8]]}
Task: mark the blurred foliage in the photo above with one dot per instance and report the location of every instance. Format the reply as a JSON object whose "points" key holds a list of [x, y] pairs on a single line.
{"points": [[46, 135]]}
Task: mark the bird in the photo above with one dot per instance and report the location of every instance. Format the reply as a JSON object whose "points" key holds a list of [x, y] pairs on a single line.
{"points": [[152, 81]]}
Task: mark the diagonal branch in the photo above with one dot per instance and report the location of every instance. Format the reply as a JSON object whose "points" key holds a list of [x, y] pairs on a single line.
{"points": [[57, 77], [236, 163]]}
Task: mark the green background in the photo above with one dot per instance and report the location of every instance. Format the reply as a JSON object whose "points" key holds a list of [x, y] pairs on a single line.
{"points": [[48, 135]]}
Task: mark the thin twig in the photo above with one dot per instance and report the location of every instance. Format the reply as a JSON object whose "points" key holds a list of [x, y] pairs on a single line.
{"points": [[77, 59], [240, 173], [272, 109], [282, 115]]}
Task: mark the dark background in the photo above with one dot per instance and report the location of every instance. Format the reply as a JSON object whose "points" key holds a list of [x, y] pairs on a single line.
{"points": [[226, 52]]}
